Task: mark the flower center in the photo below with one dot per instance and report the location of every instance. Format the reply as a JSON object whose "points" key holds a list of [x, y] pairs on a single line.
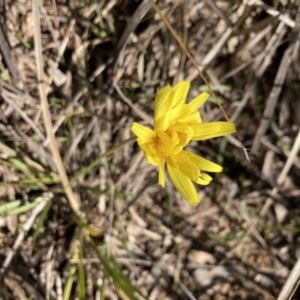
{"points": [[172, 141]]}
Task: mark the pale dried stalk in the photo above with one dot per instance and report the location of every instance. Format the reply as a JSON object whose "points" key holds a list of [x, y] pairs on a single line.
{"points": [[74, 203]]}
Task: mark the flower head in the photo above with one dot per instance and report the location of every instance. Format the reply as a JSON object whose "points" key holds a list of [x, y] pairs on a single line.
{"points": [[175, 125]]}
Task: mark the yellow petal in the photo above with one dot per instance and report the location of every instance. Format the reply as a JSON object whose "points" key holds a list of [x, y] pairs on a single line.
{"points": [[185, 164], [203, 179], [162, 123], [143, 133], [150, 153], [211, 130], [166, 140], [179, 93], [179, 127], [184, 133], [172, 116], [193, 118], [180, 111], [162, 102], [202, 163], [198, 101], [169, 105], [184, 185]]}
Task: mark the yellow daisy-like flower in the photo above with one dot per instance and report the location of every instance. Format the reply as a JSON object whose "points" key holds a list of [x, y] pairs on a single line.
{"points": [[175, 125]]}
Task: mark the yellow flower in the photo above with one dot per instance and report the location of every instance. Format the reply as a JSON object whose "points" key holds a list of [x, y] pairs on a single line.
{"points": [[175, 125]]}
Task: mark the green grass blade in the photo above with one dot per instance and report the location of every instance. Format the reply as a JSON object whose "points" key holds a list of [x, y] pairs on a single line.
{"points": [[7, 207], [41, 221], [121, 283], [81, 270], [23, 209]]}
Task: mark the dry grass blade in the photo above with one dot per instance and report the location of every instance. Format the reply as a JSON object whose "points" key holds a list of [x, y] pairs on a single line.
{"points": [[272, 101], [244, 214], [43, 200], [293, 280], [148, 119], [263, 61], [46, 113], [269, 201], [5, 48], [274, 12], [13, 104], [135, 20], [291, 284], [289, 161], [213, 5], [220, 43]]}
